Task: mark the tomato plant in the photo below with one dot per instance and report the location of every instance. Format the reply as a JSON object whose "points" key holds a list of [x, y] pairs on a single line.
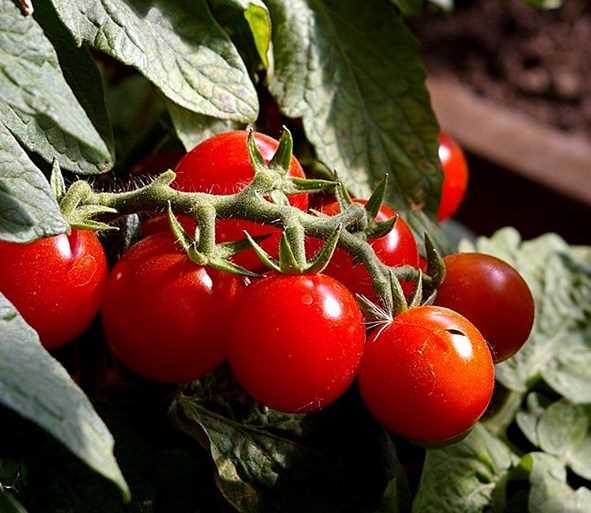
{"points": [[455, 176], [397, 247], [56, 283], [493, 295], [428, 363], [296, 341], [164, 317]]}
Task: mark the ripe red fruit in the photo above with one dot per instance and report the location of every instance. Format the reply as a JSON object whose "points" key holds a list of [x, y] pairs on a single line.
{"points": [[296, 341], [455, 176], [220, 165], [398, 247], [493, 296], [165, 317], [56, 283], [428, 375]]}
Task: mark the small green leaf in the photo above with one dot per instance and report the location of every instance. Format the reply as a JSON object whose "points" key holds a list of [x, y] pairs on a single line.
{"points": [[462, 476], [177, 45], [282, 157], [28, 210], [56, 181], [325, 253], [374, 203], [37, 387]]}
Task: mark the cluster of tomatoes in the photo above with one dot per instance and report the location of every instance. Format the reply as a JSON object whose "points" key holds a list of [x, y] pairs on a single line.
{"points": [[294, 342]]}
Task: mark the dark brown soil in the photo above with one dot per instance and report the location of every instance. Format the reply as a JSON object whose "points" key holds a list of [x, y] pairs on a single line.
{"points": [[535, 61]]}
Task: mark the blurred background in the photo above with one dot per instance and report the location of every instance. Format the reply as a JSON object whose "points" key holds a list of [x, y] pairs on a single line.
{"points": [[513, 85]]}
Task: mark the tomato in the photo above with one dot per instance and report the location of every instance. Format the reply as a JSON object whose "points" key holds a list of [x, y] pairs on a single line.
{"points": [[455, 176], [220, 165], [296, 341], [56, 283], [428, 375], [396, 248], [493, 296], [164, 317]]}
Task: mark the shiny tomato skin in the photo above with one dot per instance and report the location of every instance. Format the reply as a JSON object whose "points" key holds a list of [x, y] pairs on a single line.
{"points": [[220, 165], [455, 176], [423, 381], [493, 296], [296, 341], [398, 247], [165, 318], [56, 283]]}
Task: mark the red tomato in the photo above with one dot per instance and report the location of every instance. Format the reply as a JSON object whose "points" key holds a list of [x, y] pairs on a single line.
{"points": [[296, 341], [56, 283], [396, 248], [165, 317], [220, 165], [455, 176], [428, 375], [493, 296]]}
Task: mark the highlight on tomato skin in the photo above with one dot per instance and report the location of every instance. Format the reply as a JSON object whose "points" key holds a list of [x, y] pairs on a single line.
{"points": [[455, 176], [396, 248], [56, 283], [427, 376], [220, 165], [296, 341], [493, 296], [164, 317]]}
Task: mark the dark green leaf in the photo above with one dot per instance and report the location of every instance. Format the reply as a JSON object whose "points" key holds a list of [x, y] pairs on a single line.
{"points": [[176, 44], [409, 7], [354, 75], [9, 504], [462, 477], [28, 210], [192, 128], [38, 105], [559, 345], [550, 492], [37, 387]]}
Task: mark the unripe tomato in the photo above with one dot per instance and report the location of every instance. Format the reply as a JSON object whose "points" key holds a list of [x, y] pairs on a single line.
{"points": [[455, 176], [296, 341], [165, 317], [428, 375], [493, 296], [398, 247], [220, 165], [56, 283]]}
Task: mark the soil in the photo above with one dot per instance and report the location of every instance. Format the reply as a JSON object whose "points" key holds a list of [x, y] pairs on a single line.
{"points": [[534, 61]]}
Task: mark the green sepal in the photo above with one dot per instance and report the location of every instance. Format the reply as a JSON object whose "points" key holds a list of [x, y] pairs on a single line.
{"points": [[418, 295], [83, 218], [288, 262], [431, 299], [228, 266], [324, 254], [264, 257], [229, 249], [279, 198], [399, 303], [344, 199], [377, 229], [196, 256], [375, 313], [375, 201], [256, 159], [295, 185], [282, 158], [56, 181], [95, 226], [180, 235], [435, 263], [165, 178]]}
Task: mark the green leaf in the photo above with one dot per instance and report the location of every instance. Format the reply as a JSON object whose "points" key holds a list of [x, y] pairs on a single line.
{"points": [[528, 419], [409, 7], [176, 44], [192, 128], [461, 478], [550, 492], [9, 504], [28, 210], [545, 4], [38, 105], [367, 111], [36, 386], [560, 281], [257, 16]]}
